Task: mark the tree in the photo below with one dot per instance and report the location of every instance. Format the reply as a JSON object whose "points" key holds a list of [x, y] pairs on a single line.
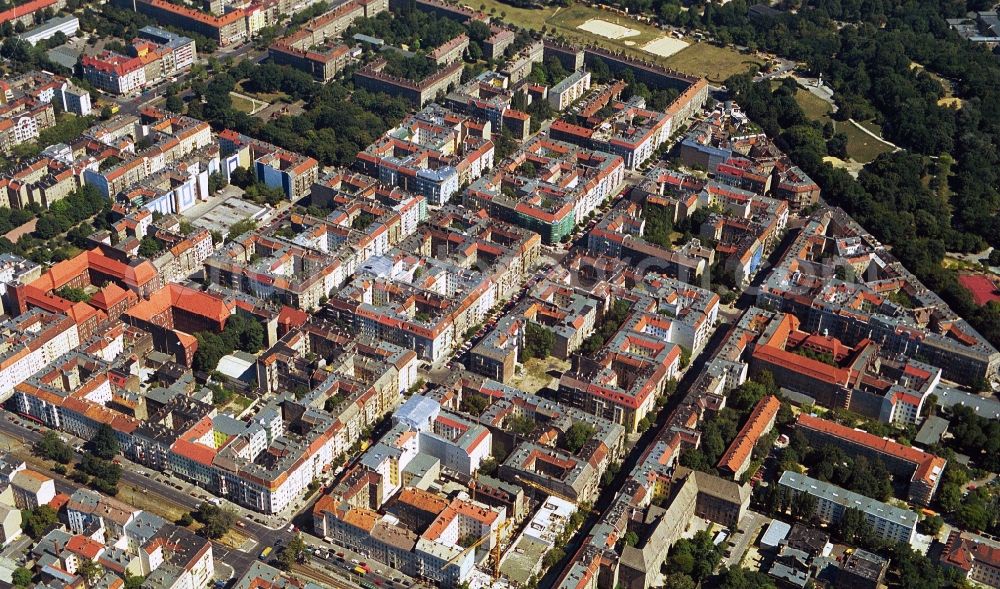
{"points": [[631, 538], [216, 520], [552, 557], [291, 553], [931, 525], [185, 520], [103, 475], [90, 571], [678, 580], [104, 444], [852, 527], [210, 350], [37, 522], [21, 577], [217, 182], [696, 557], [577, 435], [240, 227], [149, 246], [740, 578], [803, 506], [52, 447], [538, 341], [174, 103], [133, 581]]}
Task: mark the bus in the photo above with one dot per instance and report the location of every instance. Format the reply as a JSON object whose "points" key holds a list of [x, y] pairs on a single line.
{"points": [[360, 571], [265, 553]]}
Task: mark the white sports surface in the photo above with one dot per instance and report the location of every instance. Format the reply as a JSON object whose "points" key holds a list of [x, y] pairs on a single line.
{"points": [[664, 46], [608, 30]]}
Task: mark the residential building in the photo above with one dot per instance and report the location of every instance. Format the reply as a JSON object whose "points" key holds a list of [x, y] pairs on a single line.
{"points": [[976, 560], [10, 524], [31, 341], [114, 73], [548, 187], [67, 25], [736, 460], [32, 488], [26, 13], [923, 469], [431, 153], [292, 173], [862, 569], [179, 52], [888, 522], [569, 90]]}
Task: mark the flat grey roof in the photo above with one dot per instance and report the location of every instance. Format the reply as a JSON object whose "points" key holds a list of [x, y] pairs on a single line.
{"points": [[841, 496], [983, 406], [931, 431]]}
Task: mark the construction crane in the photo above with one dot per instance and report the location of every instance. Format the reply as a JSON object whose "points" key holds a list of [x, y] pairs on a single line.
{"points": [[494, 552]]}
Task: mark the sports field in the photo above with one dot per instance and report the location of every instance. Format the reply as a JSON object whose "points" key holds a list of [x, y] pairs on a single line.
{"points": [[642, 40]]}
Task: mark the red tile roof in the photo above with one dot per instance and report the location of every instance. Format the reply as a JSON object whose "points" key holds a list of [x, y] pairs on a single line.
{"points": [[928, 467], [23, 9], [760, 419]]}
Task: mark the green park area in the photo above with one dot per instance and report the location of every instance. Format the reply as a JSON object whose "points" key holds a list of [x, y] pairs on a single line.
{"points": [[861, 147]]}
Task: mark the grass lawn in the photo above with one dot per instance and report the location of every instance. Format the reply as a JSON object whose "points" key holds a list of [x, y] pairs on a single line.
{"points": [[814, 107], [571, 17], [242, 104], [233, 539], [240, 403], [271, 97], [861, 147], [700, 59], [710, 61]]}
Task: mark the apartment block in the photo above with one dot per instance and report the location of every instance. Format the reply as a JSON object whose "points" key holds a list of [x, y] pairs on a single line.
{"points": [[372, 77], [862, 308], [174, 139], [630, 130], [736, 460], [315, 47], [25, 13], [22, 119], [889, 522], [976, 560], [291, 172], [548, 187], [432, 153], [569, 90], [623, 380], [923, 469], [228, 29], [31, 342], [43, 181], [303, 270]]}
